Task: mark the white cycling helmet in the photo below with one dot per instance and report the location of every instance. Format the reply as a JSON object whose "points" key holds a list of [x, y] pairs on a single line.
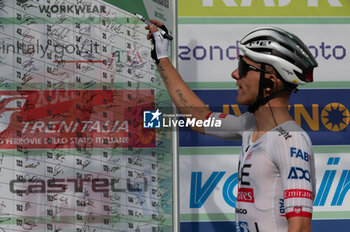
{"points": [[281, 49]]}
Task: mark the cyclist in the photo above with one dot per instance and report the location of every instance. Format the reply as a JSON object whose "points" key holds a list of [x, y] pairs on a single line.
{"points": [[276, 165]]}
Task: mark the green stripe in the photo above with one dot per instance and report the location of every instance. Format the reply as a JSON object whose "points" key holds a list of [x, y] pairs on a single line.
{"points": [[182, 20], [208, 217], [140, 85], [71, 20], [209, 150], [231, 216], [236, 150], [135, 6], [263, 20], [331, 149], [331, 215], [94, 151], [212, 85], [232, 85], [94, 221], [93, 85]]}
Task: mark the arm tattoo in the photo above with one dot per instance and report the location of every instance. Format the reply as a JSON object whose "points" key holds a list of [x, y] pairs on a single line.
{"points": [[161, 70], [181, 98]]}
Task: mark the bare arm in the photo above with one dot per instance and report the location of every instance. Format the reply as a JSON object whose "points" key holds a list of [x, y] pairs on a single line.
{"points": [[183, 97], [299, 224]]}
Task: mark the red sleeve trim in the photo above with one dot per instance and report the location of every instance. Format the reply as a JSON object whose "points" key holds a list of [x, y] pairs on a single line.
{"points": [[208, 115], [299, 214]]}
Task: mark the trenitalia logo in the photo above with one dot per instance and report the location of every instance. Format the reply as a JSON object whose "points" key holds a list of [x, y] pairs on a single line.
{"points": [[268, 8], [47, 119]]}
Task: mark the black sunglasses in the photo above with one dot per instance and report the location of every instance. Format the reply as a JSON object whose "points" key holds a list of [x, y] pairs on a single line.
{"points": [[244, 67]]}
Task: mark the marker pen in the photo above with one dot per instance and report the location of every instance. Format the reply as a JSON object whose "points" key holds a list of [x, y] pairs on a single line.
{"points": [[164, 34]]}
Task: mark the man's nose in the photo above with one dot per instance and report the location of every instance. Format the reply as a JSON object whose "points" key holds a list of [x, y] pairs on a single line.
{"points": [[235, 74]]}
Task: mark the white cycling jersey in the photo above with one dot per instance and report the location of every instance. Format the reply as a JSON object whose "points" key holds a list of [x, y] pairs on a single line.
{"points": [[276, 173]]}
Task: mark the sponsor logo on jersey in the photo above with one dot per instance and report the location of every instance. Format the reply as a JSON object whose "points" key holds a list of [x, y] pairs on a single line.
{"points": [[256, 145], [298, 153], [298, 193], [299, 173], [282, 209], [223, 115], [241, 211], [297, 209], [245, 195], [283, 133], [249, 155]]}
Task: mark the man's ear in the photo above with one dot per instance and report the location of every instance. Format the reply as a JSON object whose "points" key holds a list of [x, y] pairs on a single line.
{"points": [[268, 84], [272, 83]]}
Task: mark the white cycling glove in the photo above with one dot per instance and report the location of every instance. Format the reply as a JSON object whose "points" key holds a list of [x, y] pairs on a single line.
{"points": [[159, 45]]}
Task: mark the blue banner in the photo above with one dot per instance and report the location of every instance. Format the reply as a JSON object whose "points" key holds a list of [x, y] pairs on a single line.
{"points": [[317, 225], [322, 113]]}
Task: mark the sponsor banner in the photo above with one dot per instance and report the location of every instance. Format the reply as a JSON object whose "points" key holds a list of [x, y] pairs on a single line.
{"points": [[323, 114], [45, 119], [209, 53], [210, 189], [246, 8], [213, 226], [199, 197]]}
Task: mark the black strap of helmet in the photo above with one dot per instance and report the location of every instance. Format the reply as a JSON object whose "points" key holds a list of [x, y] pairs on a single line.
{"points": [[261, 100]]}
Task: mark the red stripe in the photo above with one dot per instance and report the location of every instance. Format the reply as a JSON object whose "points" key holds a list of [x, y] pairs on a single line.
{"points": [[78, 61], [299, 214], [208, 115]]}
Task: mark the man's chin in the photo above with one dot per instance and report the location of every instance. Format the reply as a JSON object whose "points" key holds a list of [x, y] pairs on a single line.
{"points": [[242, 102]]}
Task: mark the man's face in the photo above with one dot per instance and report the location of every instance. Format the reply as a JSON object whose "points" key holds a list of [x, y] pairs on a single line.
{"points": [[248, 85]]}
